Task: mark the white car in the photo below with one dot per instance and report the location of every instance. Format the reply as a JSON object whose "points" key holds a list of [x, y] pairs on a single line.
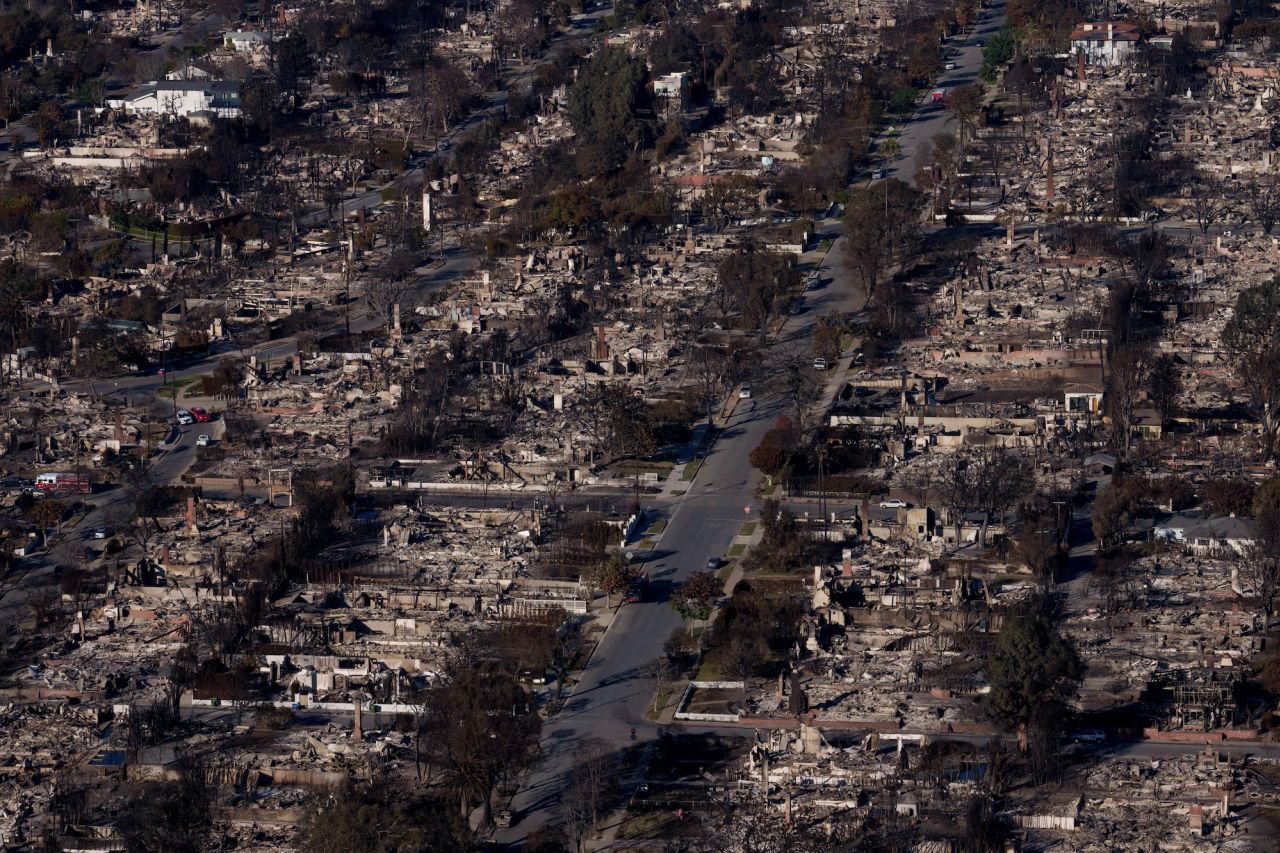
{"points": [[893, 503], [744, 393], [820, 364], [950, 66], [203, 441], [186, 418]]}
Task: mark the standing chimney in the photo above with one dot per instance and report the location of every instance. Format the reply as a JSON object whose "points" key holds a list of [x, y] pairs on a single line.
{"points": [[357, 731], [191, 511], [426, 210], [1048, 171]]}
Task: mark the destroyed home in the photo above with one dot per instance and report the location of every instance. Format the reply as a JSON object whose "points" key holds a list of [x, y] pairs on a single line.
{"points": [[743, 426]]}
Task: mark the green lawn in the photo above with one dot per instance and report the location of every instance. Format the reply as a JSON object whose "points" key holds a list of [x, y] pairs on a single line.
{"points": [[656, 528], [737, 550], [171, 388], [725, 571], [647, 826], [748, 527], [691, 469], [708, 671], [642, 465]]}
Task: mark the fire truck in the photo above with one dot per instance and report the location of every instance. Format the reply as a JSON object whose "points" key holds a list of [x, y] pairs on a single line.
{"points": [[63, 483]]}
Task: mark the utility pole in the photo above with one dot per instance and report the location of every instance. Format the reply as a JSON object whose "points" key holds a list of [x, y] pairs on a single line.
{"points": [[822, 488], [346, 277]]}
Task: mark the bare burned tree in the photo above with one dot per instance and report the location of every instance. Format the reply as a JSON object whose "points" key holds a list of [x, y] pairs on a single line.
{"points": [[1259, 562], [956, 490], [1208, 202], [1126, 379], [1263, 198], [999, 479], [1252, 338], [797, 382], [709, 369], [384, 293]]}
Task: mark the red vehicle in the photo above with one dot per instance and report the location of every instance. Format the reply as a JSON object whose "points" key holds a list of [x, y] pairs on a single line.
{"points": [[938, 97], [64, 483], [202, 416]]}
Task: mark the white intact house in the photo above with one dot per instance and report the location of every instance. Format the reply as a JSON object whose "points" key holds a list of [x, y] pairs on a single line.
{"points": [[1222, 536], [1105, 44], [183, 98], [245, 41]]}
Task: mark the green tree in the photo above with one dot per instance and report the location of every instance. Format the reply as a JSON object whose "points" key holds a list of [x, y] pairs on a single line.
{"points": [[1265, 497], [1165, 379], [1231, 496], [605, 103], [381, 820], [480, 728], [1112, 512], [294, 64], [999, 50], [696, 597], [1252, 340], [1033, 672]]}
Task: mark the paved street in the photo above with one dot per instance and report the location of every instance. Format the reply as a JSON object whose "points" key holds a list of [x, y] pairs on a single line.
{"points": [[612, 697], [929, 120]]}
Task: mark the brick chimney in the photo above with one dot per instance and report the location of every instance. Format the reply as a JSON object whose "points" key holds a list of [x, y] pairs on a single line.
{"points": [[357, 730], [1048, 171]]}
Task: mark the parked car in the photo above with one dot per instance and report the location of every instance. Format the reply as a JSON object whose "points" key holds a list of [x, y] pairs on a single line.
{"points": [[820, 364], [203, 441], [202, 416], [1089, 736], [950, 66], [185, 418], [713, 564], [530, 675], [893, 503], [636, 589], [744, 393], [879, 175]]}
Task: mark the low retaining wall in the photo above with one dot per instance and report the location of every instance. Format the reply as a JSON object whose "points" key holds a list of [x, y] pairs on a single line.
{"points": [[682, 714]]}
